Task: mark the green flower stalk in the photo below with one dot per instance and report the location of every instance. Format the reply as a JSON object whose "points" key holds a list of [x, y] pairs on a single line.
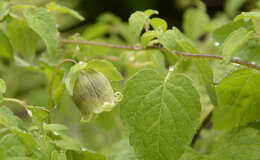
{"points": [[91, 91]]}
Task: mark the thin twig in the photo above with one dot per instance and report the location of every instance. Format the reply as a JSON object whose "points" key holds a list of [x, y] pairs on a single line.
{"points": [[22, 103], [52, 82], [138, 48]]}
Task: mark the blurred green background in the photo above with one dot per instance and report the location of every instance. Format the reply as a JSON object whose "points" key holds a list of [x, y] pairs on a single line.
{"points": [[107, 128]]}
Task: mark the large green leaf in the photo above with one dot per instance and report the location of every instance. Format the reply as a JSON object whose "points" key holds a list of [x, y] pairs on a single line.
{"points": [[6, 49], [238, 99], [23, 38], [8, 119], [160, 113], [237, 144], [44, 24], [233, 42], [175, 40]]}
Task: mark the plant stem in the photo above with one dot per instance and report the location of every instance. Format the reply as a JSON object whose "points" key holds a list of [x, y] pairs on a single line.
{"points": [[51, 85], [16, 101], [138, 48]]}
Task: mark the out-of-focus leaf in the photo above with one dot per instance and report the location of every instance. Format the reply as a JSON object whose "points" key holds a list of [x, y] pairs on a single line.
{"points": [[4, 10], [2, 89], [238, 101], [195, 22], [85, 154], [150, 12], [8, 119], [222, 32], [233, 42], [122, 151], [95, 31], [248, 15], [191, 154], [55, 155], [239, 143], [62, 9], [232, 6], [44, 24], [55, 127], [6, 49], [23, 38]]}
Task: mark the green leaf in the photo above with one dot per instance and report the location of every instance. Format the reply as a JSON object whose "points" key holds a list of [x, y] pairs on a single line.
{"points": [[232, 6], [23, 38], [148, 36], [222, 32], [37, 114], [4, 10], [137, 22], [175, 40], [240, 143], [55, 127], [168, 109], [195, 22], [8, 119], [6, 49], [62, 9], [55, 155], [238, 100], [191, 154], [159, 24], [150, 12], [44, 24], [2, 86], [106, 68], [248, 15], [122, 151], [85, 155], [67, 143], [95, 31], [233, 42]]}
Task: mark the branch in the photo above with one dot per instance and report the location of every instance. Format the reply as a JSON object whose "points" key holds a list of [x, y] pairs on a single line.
{"points": [[138, 48]]}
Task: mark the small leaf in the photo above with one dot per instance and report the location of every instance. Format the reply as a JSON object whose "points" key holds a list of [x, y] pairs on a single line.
{"points": [[85, 154], [23, 38], [106, 68], [238, 101], [66, 142], [232, 6], [175, 40], [2, 86], [148, 36], [8, 119], [6, 49], [195, 22], [62, 9], [159, 24], [4, 10], [55, 127], [55, 155], [95, 31], [137, 22], [233, 42], [44, 24], [160, 113], [150, 12]]}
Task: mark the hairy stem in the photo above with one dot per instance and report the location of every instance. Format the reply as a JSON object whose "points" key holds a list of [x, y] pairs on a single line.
{"points": [[138, 48], [51, 85]]}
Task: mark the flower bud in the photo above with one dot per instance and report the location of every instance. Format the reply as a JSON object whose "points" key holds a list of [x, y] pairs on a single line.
{"points": [[93, 94]]}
